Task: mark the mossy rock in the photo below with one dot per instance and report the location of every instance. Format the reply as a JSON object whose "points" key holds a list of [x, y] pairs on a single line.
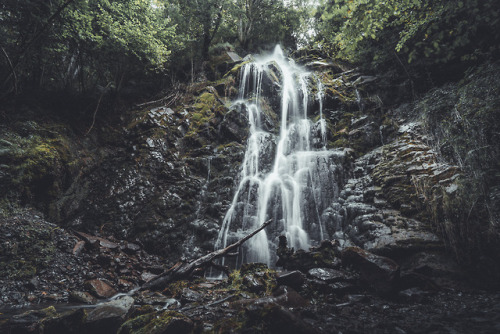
{"points": [[175, 289], [158, 323], [253, 278], [36, 163]]}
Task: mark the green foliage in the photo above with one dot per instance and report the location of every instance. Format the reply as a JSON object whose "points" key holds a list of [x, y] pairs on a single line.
{"points": [[425, 31], [133, 27], [101, 46], [82, 45], [266, 22]]}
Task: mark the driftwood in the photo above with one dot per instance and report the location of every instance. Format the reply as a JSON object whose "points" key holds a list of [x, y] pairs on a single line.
{"points": [[185, 270]]}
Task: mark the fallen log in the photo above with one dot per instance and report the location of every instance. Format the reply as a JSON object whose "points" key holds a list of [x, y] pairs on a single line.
{"points": [[185, 270]]}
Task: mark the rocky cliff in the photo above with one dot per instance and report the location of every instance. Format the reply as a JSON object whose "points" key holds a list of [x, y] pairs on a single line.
{"points": [[419, 181]]}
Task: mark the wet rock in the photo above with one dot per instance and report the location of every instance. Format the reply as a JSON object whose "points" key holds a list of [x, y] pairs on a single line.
{"points": [[234, 127], [82, 297], [329, 275], [107, 317], [100, 288], [68, 322], [414, 295], [379, 272], [322, 256], [190, 296], [36, 315], [171, 304], [131, 248], [293, 279], [147, 276], [253, 284]]}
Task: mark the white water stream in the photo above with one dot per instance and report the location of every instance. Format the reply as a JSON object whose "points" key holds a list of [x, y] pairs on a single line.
{"points": [[301, 180]]}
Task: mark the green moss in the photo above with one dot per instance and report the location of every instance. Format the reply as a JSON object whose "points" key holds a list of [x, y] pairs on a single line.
{"points": [[157, 323], [29, 250], [229, 325], [341, 142], [175, 289], [204, 111], [136, 324], [35, 165], [236, 69], [259, 272]]}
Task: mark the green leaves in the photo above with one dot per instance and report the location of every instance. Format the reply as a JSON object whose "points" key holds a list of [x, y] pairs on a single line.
{"points": [[431, 31]]}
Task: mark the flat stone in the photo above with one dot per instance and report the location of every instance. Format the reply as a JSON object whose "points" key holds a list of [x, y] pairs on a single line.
{"points": [[328, 275], [78, 247], [234, 57], [100, 288], [131, 248], [101, 241], [190, 296], [293, 279], [147, 276], [81, 297], [107, 244]]}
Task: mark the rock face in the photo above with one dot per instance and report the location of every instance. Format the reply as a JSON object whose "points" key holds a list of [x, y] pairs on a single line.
{"points": [[162, 178]]}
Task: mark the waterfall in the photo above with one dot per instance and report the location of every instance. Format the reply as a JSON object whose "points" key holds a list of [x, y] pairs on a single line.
{"points": [[282, 176], [320, 96]]}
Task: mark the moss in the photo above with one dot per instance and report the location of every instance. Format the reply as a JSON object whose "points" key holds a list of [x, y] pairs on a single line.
{"points": [[157, 323], [236, 69], [175, 289], [137, 323], [239, 280], [229, 145], [204, 112], [30, 249], [229, 325], [36, 163], [341, 142]]}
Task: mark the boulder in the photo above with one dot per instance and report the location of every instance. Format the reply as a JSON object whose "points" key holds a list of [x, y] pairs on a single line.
{"points": [[293, 279], [379, 272], [107, 317]]}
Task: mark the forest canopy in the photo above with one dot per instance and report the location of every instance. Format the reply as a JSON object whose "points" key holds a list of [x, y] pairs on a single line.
{"points": [[91, 46]]}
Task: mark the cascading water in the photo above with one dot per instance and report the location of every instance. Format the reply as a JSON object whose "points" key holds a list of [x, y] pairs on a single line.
{"points": [[300, 181]]}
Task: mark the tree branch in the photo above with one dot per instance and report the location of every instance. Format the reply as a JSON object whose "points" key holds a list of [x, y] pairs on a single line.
{"points": [[12, 70], [184, 270]]}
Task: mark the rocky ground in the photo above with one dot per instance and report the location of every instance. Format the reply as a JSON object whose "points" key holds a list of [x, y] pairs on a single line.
{"points": [[83, 283], [43, 263]]}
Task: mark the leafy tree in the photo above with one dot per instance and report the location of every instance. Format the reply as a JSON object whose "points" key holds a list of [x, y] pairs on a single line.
{"points": [[262, 22], [80, 44], [422, 32]]}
